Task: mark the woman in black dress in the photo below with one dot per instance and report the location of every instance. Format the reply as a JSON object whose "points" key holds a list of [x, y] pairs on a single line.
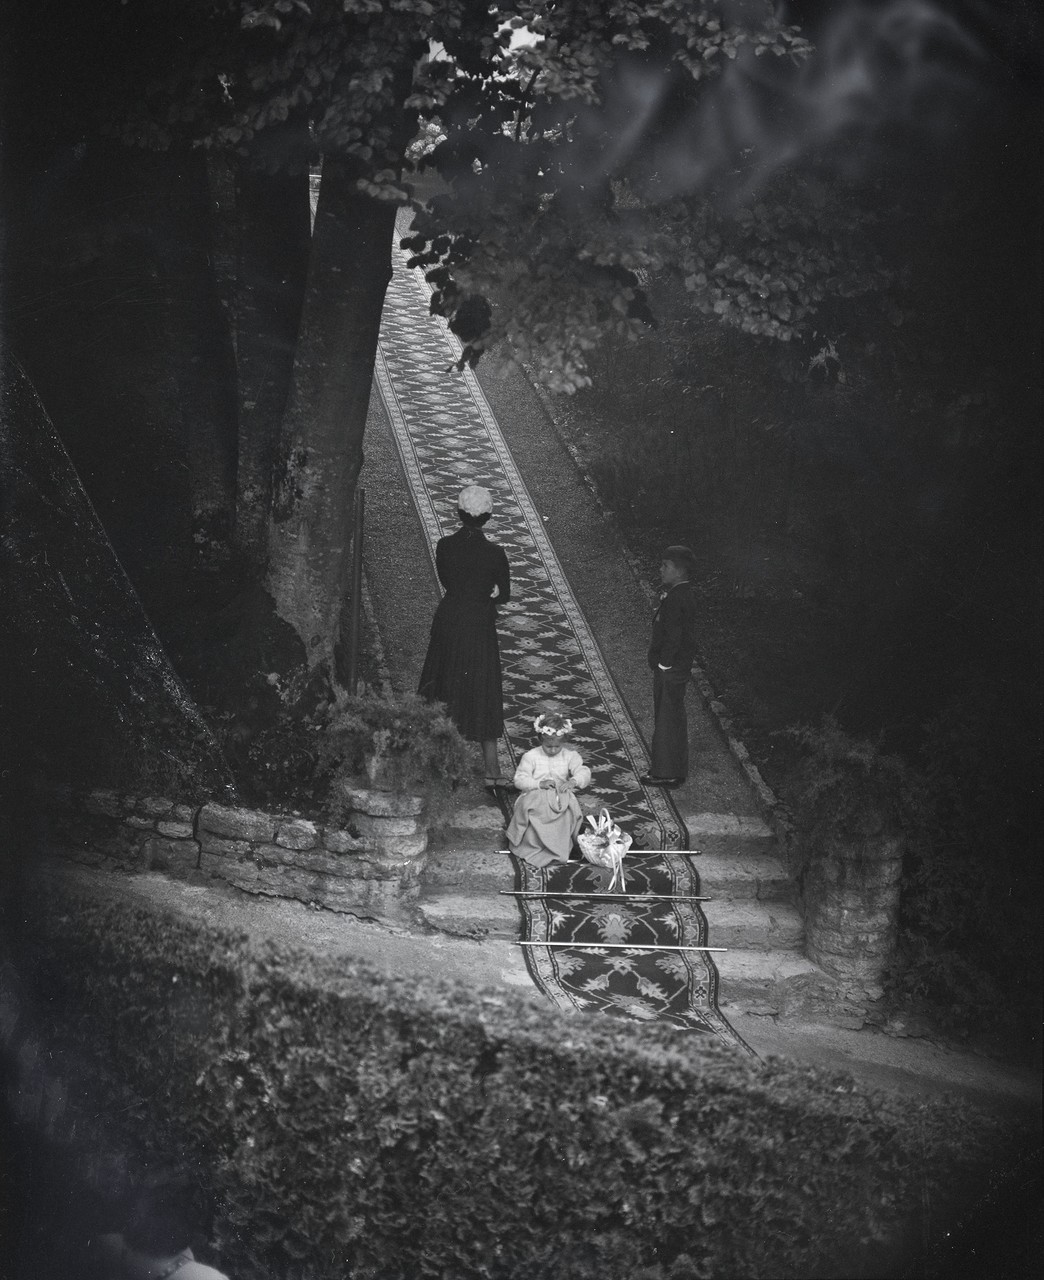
{"points": [[462, 667]]}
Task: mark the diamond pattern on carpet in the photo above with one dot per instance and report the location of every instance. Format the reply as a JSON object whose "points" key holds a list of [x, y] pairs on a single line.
{"points": [[447, 437]]}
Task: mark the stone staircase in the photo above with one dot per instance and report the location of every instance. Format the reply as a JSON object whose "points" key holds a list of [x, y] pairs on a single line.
{"points": [[466, 870], [751, 911]]}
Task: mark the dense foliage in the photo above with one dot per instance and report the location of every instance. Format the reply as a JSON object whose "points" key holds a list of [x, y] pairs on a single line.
{"points": [[552, 118], [973, 884], [401, 742], [351, 1124], [850, 784]]}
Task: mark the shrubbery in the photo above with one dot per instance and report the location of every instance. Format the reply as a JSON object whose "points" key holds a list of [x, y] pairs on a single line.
{"points": [[302, 761], [972, 882], [353, 1125], [404, 742], [853, 781]]}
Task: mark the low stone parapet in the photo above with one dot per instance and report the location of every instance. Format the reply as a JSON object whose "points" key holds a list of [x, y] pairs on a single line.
{"points": [[371, 862]]}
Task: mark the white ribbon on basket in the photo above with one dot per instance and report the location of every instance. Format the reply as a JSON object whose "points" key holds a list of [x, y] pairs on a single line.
{"points": [[605, 846]]}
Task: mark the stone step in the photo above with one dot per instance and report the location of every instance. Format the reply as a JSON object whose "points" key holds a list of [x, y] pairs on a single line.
{"points": [[476, 818], [722, 876], [755, 981], [483, 870], [734, 846], [706, 826], [455, 908], [741, 875], [725, 834], [470, 915], [754, 926], [477, 827], [482, 826]]}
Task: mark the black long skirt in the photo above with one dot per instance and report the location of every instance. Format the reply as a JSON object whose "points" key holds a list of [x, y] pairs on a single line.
{"points": [[462, 667]]}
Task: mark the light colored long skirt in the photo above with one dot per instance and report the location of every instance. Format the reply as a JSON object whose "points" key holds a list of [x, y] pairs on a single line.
{"points": [[543, 826]]}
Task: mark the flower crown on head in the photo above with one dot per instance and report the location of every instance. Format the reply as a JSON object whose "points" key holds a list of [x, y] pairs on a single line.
{"points": [[548, 731]]}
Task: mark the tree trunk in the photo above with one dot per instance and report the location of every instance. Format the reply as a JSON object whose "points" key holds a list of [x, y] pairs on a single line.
{"points": [[273, 241], [206, 371], [320, 452]]}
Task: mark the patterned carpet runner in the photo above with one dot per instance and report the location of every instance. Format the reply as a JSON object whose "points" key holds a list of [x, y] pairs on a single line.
{"points": [[447, 437], [611, 973]]}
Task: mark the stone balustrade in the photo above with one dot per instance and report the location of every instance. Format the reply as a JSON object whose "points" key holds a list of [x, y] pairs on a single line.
{"points": [[372, 862]]}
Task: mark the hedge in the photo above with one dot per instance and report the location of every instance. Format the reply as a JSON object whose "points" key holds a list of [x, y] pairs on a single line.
{"points": [[391, 1129]]}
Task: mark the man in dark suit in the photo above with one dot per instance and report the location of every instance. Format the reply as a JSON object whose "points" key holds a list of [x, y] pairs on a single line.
{"points": [[672, 651]]}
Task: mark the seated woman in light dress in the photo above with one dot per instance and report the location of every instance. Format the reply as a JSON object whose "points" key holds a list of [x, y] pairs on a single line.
{"points": [[547, 815]]}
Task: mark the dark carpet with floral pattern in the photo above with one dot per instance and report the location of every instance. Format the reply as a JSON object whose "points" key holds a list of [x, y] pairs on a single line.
{"points": [[625, 964]]}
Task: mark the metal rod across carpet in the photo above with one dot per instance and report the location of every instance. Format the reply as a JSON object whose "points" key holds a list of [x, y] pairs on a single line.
{"points": [[617, 946], [640, 897]]}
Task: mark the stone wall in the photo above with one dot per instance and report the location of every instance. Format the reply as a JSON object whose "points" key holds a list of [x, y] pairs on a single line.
{"points": [[373, 862]]}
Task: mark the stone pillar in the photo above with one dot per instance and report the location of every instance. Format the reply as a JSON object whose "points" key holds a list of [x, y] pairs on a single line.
{"points": [[852, 906], [395, 824]]}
